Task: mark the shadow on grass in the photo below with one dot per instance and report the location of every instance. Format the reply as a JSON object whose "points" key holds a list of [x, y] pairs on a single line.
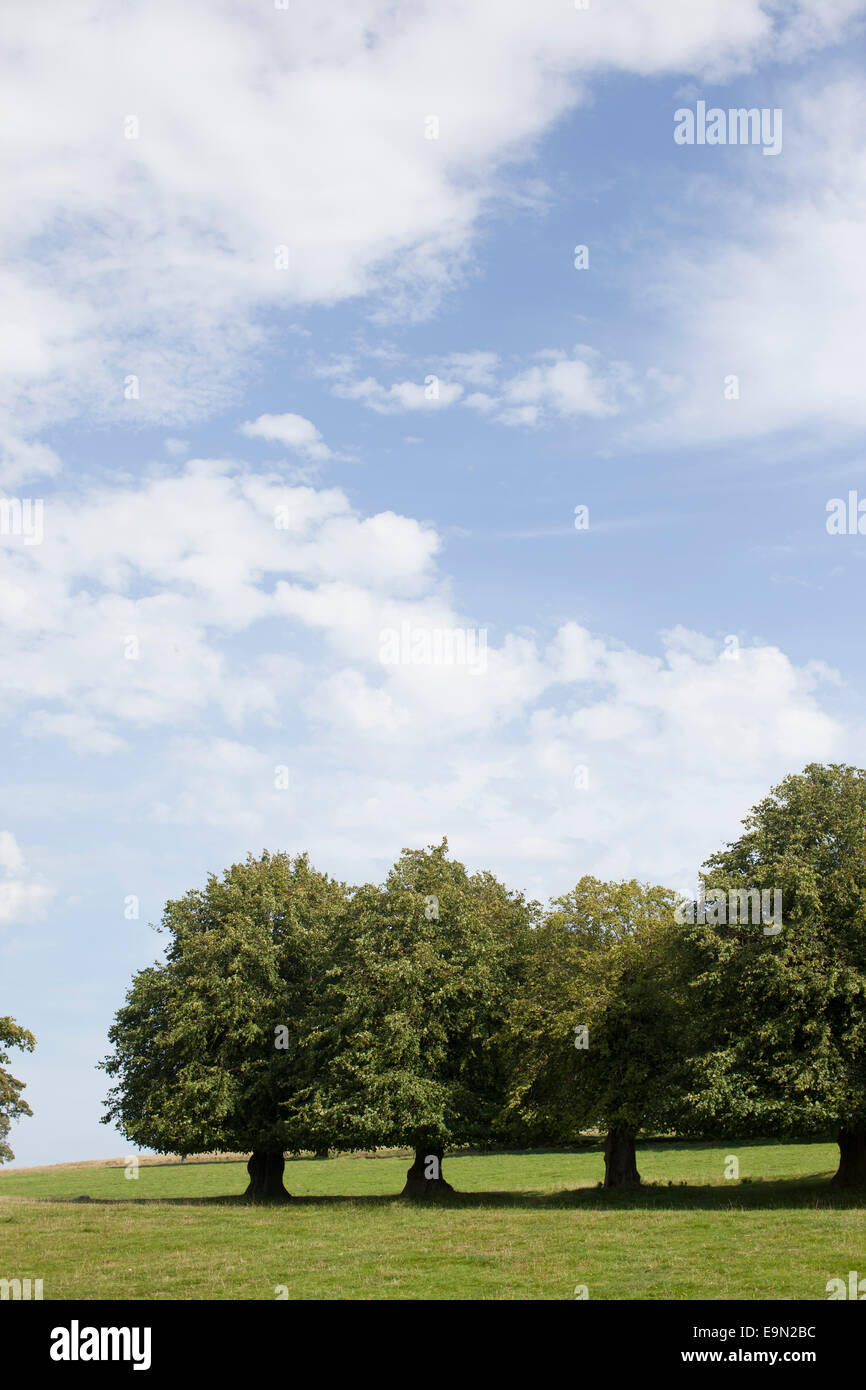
{"points": [[798, 1192], [795, 1193]]}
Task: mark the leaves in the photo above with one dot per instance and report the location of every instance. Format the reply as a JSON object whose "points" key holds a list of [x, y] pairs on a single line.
{"points": [[601, 960], [416, 1004], [779, 1024], [12, 1106], [195, 1044]]}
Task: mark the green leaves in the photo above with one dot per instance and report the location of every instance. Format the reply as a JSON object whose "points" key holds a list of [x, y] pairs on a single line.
{"points": [[196, 1052], [388, 1004], [439, 1008], [416, 1003], [779, 1025], [12, 1106], [602, 960]]}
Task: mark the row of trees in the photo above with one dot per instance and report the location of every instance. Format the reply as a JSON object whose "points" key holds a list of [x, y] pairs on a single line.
{"points": [[291, 1013], [440, 1009]]}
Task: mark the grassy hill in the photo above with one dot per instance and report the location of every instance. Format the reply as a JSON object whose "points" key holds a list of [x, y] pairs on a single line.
{"points": [[522, 1226]]}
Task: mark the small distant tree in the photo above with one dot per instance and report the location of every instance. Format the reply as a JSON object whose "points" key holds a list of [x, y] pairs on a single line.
{"points": [[12, 1106], [408, 1044], [207, 1048], [594, 1036], [779, 1017]]}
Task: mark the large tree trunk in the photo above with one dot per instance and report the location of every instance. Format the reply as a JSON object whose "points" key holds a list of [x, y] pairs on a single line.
{"points": [[266, 1168], [424, 1178], [620, 1160], [852, 1158]]}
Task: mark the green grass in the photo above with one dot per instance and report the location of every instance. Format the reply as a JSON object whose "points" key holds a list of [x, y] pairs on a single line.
{"points": [[524, 1226]]}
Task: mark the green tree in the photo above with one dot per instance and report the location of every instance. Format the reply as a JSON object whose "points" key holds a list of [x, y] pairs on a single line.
{"points": [[407, 1050], [780, 1017], [11, 1103], [207, 1048], [594, 1039]]}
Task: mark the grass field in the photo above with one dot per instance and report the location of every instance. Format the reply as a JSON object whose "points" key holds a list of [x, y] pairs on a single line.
{"points": [[524, 1226]]}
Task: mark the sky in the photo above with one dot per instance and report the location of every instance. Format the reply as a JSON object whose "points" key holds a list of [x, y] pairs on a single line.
{"points": [[404, 434]]}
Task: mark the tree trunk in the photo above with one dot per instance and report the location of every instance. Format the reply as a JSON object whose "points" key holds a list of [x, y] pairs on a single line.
{"points": [[852, 1158], [424, 1178], [620, 1160], [266, 1169]]}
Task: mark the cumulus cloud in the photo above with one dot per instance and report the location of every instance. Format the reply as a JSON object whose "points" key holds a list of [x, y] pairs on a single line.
{"points": [[158, 139], [554, 384], [292, 430], [562, 384], [128, 618], [23, 897], [763, 310], [164, 142], [431, 394], [118, 617]]}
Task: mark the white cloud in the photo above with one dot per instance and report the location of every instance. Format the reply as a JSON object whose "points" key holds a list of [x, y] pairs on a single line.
{"points": [[478, 368], [153, 263], [293, 430], [22, 460], [402, 756], [117, 621], [11, 858], [154, 257], [555, 384], [678, 740], [566, 385], [773, 291], [81, 732], [431, 394], [23, 898]]}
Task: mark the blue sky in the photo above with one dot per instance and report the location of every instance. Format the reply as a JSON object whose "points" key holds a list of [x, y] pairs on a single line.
{"points": [[301, 393]]}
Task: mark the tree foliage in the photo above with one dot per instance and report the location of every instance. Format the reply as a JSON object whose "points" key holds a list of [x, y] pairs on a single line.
{"points": [[779, 1021], [441, 1009], [408, 1046], [207, 1046], [594, 1039], [12, 1104]]}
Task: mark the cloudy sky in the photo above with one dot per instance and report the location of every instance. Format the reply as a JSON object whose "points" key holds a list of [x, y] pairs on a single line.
{"points": [[297, 348]]}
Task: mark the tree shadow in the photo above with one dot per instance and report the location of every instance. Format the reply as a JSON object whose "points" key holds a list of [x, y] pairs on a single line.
{"points": [[813, 1192]]}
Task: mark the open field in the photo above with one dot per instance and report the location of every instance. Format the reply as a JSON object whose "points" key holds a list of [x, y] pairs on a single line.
{"points": [[524, 1226]]}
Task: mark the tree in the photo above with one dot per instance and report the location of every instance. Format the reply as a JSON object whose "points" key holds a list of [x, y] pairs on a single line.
{"points": [[594, 1040], [207, 1047], [780, 1017], [11, 1103], [407, 1049]]}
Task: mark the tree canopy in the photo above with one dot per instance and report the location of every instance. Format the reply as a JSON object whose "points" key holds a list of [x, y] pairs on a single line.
{"points": [[207, 1046], [594, 1037], [779, 1019], [12, 1104], [408, 1050], [441, 1009]]}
